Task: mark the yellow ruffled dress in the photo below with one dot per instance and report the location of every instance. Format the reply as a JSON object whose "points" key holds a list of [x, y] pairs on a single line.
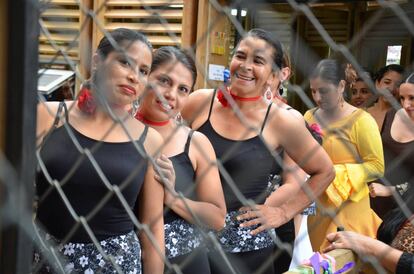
{"points": [[355, 147]]}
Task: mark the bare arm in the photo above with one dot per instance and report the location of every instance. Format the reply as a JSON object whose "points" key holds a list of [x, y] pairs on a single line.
{"points": [[210, 207], [151, 213], [311, 158], [365, 246], [198, 105]]}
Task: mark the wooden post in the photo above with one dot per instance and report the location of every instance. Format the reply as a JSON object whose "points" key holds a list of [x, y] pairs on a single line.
{"points": [[97, 34], [85, 39], [21, 31], [189, 23]]}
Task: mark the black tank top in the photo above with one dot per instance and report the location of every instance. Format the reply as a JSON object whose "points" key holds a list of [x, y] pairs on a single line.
{"points": [[120, 165], [247, 163], [185, 178], [398, 161]]}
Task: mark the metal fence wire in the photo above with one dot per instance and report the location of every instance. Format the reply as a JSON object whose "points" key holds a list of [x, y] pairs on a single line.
{"points": [[309, 31]]}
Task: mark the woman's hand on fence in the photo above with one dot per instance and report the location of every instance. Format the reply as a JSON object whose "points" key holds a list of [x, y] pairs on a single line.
{"points": [[379, 190], [165, 174], [360, 244], [267, 217]]}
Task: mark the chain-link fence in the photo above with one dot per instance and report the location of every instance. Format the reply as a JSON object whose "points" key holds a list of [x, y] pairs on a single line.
{"points": [[368, 35]]}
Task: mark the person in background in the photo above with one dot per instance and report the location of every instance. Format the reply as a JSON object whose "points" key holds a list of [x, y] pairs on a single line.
{"points": [[352, 140], [387, 82], [186, 163], [398, 141], [95, 152], [394, 248], [249, 135], [390, 258], [361, 95]]}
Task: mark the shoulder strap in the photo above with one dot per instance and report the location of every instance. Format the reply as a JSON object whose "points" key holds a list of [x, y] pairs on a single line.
{"points": [[265, 118], [187, 144], [143, 135], [389, 117], [211, 104]]}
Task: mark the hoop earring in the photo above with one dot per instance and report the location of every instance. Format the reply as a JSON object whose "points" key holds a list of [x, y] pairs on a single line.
{"points": [[268, 95]]}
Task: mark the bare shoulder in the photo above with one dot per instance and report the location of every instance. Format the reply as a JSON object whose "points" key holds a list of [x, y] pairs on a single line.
{"points": [[296, 114], [200, 139], [282, 119], [46, 114], [153, 142], [197, 103]]}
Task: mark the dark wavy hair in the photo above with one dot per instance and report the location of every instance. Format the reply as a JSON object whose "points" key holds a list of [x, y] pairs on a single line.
{"points": [[170, 54], [271, 41], [382, 71], [120, 36]]}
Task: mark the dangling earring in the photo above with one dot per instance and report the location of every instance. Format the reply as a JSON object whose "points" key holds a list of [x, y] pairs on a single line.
{"points": [[268, 95], [178, 118]]}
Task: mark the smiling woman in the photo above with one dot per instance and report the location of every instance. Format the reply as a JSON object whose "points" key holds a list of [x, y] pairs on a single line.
{"points": [[93, 122], [249, 135], [186, 167]]}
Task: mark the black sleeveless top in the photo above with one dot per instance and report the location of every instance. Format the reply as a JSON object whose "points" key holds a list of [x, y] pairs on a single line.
{"points": [[64, 161], [399, 167], [185, 178], [248, 164]]}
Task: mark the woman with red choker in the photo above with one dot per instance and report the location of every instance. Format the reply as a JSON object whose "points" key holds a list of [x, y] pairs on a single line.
{"points": [[193, 198], [249, 137], [94, 164]]}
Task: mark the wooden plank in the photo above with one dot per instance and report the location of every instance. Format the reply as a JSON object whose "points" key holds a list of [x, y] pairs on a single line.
{"points": [[48, 49], [144, 2], [164, 40], [66, 13], [130, 13], [60, 60], [53, 25], [59, 37], [61, 2], [143, 27]]}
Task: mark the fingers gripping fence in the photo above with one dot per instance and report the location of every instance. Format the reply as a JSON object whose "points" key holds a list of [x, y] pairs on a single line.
{"points": [[69, 33]]}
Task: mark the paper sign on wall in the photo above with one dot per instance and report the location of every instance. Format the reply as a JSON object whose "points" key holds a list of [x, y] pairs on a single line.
{"points": [[215, 72]]}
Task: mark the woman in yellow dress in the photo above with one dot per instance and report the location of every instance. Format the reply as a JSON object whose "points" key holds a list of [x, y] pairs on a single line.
{"points": [[352, 140]]}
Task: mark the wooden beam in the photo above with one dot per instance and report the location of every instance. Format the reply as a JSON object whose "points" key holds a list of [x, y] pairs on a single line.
{"points": [[189, 23], [85, 43]]}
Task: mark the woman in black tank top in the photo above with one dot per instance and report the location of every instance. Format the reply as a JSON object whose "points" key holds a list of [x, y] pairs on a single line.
{"points": [[194, 199], [397, 136], [93, 168], [249, 136]]}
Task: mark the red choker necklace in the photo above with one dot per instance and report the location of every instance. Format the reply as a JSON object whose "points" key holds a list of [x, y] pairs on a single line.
{"points": [[223, 100], [86, 101], [140, 117]]}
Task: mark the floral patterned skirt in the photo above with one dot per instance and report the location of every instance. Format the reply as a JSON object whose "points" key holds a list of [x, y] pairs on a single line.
{"points": [[123, 256], [234, 238], [181, 238]]}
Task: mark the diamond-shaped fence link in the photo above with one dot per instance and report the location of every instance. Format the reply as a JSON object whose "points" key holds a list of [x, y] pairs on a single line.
{"points": [[70, 31]]}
